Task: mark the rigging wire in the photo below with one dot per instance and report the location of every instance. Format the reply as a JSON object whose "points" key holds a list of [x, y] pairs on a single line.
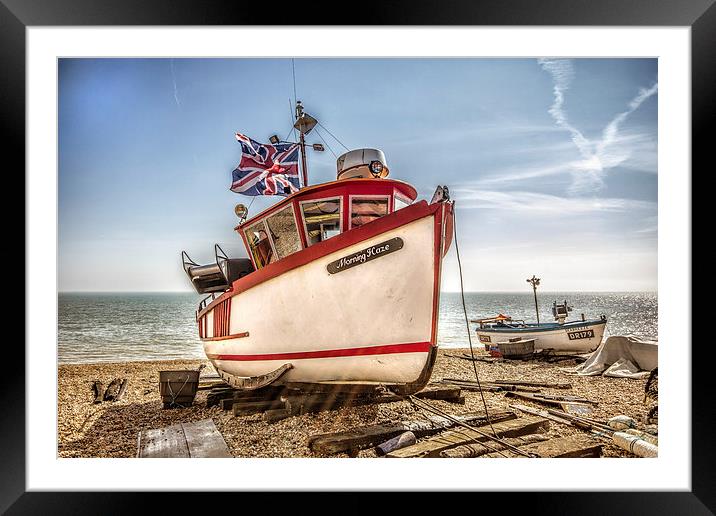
{"points": [[333, 135], [324, 141], [467, 324]]}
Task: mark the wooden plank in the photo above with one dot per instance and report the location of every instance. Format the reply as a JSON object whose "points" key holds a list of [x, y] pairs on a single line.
{"points": [[534, 384], [450, 439], [473, 450], [371, 435], [434, 392], [548, 399], [577, 445], [204, 440], [169, 441], [241, 408]]}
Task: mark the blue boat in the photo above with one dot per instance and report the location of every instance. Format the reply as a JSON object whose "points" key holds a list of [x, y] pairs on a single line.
{"points": [[559, 337]]}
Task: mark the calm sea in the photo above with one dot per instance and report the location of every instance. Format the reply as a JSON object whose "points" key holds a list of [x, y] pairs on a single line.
{"points": [[101, 327]]}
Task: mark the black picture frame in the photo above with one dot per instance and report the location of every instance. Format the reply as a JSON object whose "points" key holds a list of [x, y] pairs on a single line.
{"points": [[699, 15]]}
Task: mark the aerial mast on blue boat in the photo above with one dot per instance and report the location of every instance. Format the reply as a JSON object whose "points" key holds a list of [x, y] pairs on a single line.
{"points": [[534, 281]]}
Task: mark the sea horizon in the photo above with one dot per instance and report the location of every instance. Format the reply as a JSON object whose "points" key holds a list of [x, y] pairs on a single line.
{"points": [[96, 326]]}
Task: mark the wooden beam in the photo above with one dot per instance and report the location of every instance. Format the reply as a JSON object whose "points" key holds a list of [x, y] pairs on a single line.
{"points": [[450, 439], [577, 445], [535, 384], [478, 449], [371, 435]]}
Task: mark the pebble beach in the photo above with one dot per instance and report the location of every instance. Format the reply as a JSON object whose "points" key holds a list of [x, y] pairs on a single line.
{"points": [[110, 429]]}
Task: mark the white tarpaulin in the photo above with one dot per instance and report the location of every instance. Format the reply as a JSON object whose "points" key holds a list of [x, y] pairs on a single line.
{"points": [[621, 357]]}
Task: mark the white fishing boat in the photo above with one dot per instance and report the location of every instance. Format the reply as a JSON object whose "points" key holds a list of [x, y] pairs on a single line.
{"points": [[341, 285], [559, 337]]}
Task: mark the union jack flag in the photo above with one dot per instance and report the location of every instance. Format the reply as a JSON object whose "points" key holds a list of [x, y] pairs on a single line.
{"points": [[266, 169]]}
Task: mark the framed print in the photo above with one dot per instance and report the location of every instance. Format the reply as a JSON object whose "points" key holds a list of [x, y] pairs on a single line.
{"points": [[280, 207]]}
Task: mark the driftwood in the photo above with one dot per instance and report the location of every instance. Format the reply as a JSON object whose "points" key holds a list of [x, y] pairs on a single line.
{"points": [[396, 443], [479, 449], [110, 394], [122, 389], [371, 435], [486, 386], [549, 399], [534, 384], [98, 391], [450, 439]]}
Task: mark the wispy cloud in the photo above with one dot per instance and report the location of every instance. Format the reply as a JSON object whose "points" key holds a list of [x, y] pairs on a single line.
{"points": [[599, 156], [537, 203], [174, 82]]}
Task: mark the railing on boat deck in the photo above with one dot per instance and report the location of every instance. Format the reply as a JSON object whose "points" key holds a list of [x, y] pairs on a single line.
{"points": [[208, 299]]}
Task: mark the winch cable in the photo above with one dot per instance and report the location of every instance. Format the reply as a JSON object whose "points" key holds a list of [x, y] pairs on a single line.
{"points": [[467, 323]]}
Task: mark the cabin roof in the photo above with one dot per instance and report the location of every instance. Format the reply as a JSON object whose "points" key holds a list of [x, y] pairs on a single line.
{"points": [[358, 185]]}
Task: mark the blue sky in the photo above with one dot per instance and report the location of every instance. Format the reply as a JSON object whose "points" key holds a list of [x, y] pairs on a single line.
{"points": [[552, 163]]}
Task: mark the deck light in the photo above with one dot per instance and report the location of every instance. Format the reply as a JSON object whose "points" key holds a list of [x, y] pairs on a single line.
{"points": [[274, 139], [318, 147]]}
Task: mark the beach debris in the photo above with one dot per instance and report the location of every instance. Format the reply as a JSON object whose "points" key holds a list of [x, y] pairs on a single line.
{"points": [[635, 444], [576, 408], [476, 358], [564, 418], [643, 434], [396, 443], [573, 446], [122, 389], [549, 399], [470, 385], [549, 385], [477, 449], [621, 422], [199, 439], [112, 390], [433, 446], [98, 391], [371, 435]]}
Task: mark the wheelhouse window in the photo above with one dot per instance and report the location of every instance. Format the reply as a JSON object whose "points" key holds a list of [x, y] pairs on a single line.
{"points": [[367, 209], [284, 233], [260, 244], [399, 203], [322, 219]]}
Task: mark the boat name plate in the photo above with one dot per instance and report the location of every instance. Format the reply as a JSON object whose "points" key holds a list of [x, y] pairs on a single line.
{"points": [[584, 334], [365, 255]]}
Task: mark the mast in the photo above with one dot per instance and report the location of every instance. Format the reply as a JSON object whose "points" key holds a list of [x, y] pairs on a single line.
{"points": [[534, 281], [304, 123]]}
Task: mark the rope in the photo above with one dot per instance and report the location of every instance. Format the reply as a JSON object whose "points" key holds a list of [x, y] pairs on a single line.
{"points": [[324, 141], [467, 324], [175, 396], [333, 135]]}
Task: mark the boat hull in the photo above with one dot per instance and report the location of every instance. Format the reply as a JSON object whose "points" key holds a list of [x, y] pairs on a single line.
{"points": [[372, 322], [572, 337]]}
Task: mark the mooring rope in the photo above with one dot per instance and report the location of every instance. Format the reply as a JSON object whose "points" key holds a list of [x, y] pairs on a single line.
{"points": [[467, 323]]}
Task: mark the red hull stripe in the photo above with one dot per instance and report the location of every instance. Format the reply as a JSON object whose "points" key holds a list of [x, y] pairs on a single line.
{"points": [[415, 347]]}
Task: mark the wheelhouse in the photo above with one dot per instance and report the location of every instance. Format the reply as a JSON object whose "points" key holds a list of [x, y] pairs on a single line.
{"points": [[318, 213]]}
